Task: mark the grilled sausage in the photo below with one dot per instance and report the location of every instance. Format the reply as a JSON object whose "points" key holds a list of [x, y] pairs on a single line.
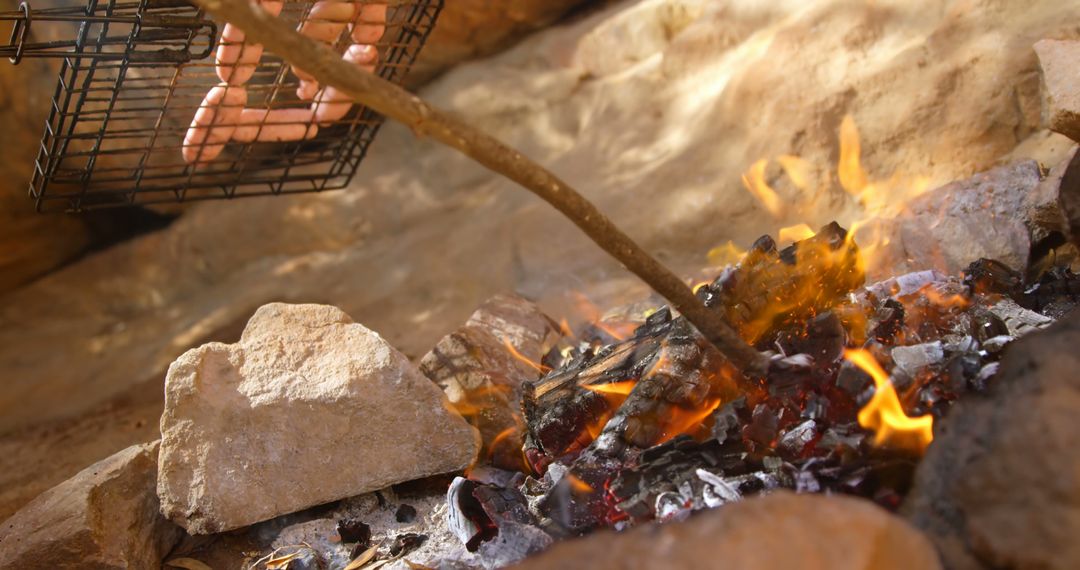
{"points": [[214, 123], [330, 104], [275, 125], [236, 60]]}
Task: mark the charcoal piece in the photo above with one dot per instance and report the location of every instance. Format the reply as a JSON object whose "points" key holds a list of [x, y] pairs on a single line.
{"points": [[764, 425], [726, 420], [465, 515], [406, 543], [718, 491], [852, 379], [816, 407], [1055, 294], [795, 441], [843, 437], [806, 482], [353, 530], [579, 502], [504, 504], [992, 277], [672, 507], [1020, 321], [912, 360], [822, 338], [405, 514], [887, 321], [981, 381]]}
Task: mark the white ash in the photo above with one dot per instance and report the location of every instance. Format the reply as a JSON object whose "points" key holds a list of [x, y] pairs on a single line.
{"points": [[441, 549]]}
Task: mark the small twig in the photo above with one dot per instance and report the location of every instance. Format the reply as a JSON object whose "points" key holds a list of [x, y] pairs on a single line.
{"points": [[392, 101]]}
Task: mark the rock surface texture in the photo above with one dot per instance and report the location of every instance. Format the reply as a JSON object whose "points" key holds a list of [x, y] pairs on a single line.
{"points": [[781, 530], [1061, 85], [1000, 486], [105, 517], [653, 108], [982, 216], [309, 407]]}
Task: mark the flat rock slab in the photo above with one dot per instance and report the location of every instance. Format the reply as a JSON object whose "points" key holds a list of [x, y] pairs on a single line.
{"points": [[1061, 85], [308, 408], [1000, 485], [106, 516], [781, 530]]}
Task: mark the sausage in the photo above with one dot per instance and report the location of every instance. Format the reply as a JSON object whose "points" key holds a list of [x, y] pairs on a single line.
{"points": [[235, 60], [330, 104], [214, 123], [275, 125], [370, 24], [325, 23]]}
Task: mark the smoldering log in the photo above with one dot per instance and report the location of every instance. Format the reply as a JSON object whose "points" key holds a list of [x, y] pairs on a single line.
{"points": [[558, 409], [674, 366]]}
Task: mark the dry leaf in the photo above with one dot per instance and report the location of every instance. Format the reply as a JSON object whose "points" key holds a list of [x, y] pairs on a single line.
{"points": [[364, 558], [281, 561], [188, 564], [417, 566]]}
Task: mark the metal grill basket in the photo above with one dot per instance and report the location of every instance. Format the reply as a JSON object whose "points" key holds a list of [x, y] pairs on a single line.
{"points": [[132, 78]]}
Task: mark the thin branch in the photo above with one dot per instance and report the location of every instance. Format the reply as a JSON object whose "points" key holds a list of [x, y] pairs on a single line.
{"points": [[396, 103]]}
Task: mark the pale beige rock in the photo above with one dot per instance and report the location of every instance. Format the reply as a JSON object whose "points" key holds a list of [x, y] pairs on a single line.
{"points": [[781, 530], [104, 517], [309, 407], [1061, 85]]}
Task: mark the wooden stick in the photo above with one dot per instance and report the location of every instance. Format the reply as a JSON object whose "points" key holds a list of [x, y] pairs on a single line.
{"points": [[398, 104]]}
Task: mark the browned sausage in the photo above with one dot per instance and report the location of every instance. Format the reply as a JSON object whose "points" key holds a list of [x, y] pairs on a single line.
{"points": [[214, 123]]}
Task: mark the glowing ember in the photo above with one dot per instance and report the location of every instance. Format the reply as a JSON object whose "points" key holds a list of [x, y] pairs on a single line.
{"points": [[883, 413]]}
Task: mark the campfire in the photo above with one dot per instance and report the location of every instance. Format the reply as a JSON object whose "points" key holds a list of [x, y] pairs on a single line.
{"points": [[638, 418]]}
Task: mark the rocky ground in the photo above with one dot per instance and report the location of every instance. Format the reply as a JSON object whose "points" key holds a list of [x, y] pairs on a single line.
{"points": [[653, 108]]}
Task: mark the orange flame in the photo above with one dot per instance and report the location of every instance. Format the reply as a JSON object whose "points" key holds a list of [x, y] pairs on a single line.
{"points": [[883, 413], [754, 181], [614, 394], [795, 233], [522, 358], [578, 486], [683, 420]]}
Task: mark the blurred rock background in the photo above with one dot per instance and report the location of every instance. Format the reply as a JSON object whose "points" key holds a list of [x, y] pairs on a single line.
{"points": [[653, 108]]}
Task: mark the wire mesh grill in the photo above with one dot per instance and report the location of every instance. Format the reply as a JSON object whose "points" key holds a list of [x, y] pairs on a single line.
{"points": [[136, 73]]}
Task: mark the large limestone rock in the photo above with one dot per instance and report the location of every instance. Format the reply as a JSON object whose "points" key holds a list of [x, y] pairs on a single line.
{"points": [[781, 530], [104, 517], [1000, 486], [1061, 85], [309, 407]]}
